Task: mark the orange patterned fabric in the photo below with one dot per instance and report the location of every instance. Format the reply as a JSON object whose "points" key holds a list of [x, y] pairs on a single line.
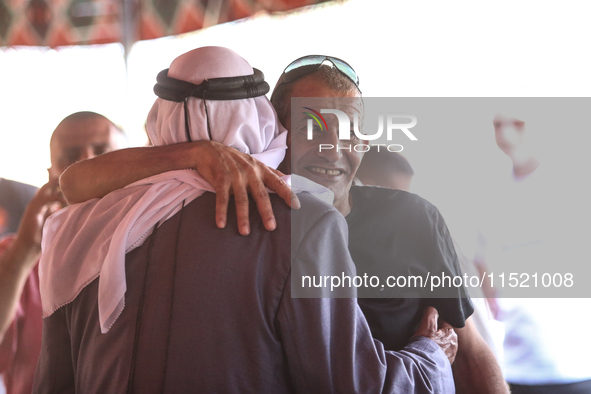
{"points": [[79, 22]]}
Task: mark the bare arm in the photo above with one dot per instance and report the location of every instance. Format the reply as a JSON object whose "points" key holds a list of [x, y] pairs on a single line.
{"points": [[95, 178], [476, 369], [15, 266], [226, 169], [22, 255]]}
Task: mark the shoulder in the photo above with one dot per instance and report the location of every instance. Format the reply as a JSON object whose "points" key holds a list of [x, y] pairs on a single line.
{"points": [[314, 205], [317, 222], [402, 220], [314, 210], [390, 202], [376, 193], [319, 248]]}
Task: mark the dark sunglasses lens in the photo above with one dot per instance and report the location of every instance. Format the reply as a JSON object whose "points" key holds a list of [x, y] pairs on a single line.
{"points": [[345, 69], [305, 61], [308, 64]]}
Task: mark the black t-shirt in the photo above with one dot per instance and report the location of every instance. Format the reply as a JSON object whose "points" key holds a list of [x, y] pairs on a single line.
{"points": [[392, 232], [14, 198]]}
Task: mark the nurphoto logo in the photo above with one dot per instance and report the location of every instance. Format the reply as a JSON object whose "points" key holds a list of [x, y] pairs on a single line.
{"points": [[391, 124]]}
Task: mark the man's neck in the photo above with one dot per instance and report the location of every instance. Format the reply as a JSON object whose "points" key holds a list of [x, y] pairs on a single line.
{"points": [[344, 206]]}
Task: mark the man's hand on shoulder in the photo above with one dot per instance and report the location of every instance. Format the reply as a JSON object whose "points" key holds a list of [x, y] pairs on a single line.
{"points": [[443, 334], [226, 169], [232, 172]]}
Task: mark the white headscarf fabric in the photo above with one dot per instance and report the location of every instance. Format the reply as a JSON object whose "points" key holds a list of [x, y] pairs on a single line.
{"points": [[90, 240]]}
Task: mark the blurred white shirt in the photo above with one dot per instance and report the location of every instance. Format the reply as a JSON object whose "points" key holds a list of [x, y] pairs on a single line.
{"points": [[538, 224]]}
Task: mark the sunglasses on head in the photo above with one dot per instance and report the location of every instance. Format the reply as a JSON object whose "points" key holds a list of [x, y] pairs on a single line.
{"points": [[308, 64]]}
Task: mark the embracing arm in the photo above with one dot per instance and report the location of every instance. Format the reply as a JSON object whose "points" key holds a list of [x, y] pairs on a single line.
{"points": [[226, 169], [95, 178], [476, 369], [327, 342]]}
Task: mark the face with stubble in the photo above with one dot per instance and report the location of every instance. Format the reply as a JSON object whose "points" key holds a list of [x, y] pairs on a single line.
{"points": [[333, 168]]}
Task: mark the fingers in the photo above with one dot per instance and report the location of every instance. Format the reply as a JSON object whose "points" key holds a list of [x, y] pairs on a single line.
{"points": [[58, 197], [48, 194], [230, 171], [241, 201], [240, 179], [54, 207], [263, 202], [251, 177], [428, 325], [447, 339], [222, 199], [47, 201], [444, 335], [448, 334], [48, 210], [274, 182], [295, 201], [243, 174], [429, 321]]}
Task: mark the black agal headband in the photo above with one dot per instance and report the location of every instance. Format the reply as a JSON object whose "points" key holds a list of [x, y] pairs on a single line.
{"points": [[228, 88]]}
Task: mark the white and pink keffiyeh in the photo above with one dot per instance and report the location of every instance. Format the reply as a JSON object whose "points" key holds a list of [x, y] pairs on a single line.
{"points": [[90, 240]]}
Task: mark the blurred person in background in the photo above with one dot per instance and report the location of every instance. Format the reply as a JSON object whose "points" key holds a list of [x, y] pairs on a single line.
{"points": [[79, 136], [14, 198], [529, 223], [385, 169]]}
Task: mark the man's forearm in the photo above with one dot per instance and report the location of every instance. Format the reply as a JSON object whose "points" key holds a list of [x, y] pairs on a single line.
{"points": [[97, 177], [476, 369], [15, 266]]}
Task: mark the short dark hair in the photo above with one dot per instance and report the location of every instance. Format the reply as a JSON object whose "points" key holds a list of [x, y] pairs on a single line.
{"points": [[328, 75], [382, 162]]}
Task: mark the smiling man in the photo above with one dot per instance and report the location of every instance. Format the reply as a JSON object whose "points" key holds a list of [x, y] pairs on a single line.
{"points": [[331, 167]]}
